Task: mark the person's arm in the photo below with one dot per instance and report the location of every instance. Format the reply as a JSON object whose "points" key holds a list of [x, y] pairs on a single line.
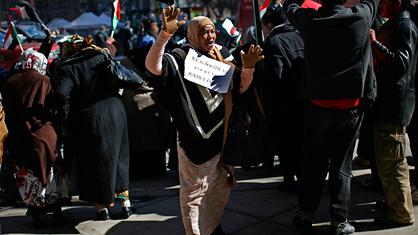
{"points": [[124, 77], [295, 14], [153, 61], [110, 46], [401, 53], [249, 61], [370, 8], [46, 45], [64, 89]]}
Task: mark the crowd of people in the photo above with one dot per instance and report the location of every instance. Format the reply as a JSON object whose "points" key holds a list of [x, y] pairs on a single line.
{"points": [[324, 73]]}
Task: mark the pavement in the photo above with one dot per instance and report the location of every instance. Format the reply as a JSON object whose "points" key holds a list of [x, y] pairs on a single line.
{"points": [[256, 208]]}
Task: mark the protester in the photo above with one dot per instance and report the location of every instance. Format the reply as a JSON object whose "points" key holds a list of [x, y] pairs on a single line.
{"points": [[395, 54], [282, 76], [147, 33], [32, 139], [365, 150], [101, 36], [338, 80], [198, 113], [412, 129], [124, 38], [88, 89]]}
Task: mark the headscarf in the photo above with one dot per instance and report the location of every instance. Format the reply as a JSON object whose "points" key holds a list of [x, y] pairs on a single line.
{"points": [[34, 60], [195, 26]]}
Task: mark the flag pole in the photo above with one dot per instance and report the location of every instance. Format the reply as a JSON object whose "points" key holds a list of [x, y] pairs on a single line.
{"points": [[17, 36], [257, 23]]}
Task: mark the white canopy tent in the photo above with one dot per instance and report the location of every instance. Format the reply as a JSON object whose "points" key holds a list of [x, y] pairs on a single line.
{"points": [[87, 20], [106, 20], [58, 23]]}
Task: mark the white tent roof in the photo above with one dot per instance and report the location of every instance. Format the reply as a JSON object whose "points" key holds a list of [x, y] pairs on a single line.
{"points": [[58, 23], [106, 20], [87, 20]]}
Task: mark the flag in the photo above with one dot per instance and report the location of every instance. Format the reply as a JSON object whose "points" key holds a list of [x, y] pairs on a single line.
{"points": [[21, 12], [263, 8], [116, 14], [11, 35], [230, 28], [26, 11]]}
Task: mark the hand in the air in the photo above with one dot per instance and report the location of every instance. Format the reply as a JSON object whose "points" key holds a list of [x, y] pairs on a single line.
{"points": [[170, 22], [252, 57]]}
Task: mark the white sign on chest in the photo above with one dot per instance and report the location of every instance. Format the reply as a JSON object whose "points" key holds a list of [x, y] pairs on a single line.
{"points": [[207, 72]]}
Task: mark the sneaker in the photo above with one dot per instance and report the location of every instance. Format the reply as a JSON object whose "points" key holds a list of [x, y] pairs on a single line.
{"points": [[342, 228], [302, 221], [127, 211], [102, 214], [388, 223]]}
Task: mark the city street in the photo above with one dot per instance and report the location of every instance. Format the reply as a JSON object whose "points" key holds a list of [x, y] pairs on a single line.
{"points": [[256, 207]]}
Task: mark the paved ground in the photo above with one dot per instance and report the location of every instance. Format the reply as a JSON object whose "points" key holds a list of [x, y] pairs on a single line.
{"points": [[256, 207]]}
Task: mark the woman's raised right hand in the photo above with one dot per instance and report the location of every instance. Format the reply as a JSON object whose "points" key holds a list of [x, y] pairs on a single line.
{"points": [[170, 22]]}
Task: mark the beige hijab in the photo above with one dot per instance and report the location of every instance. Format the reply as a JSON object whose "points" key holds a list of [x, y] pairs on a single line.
{"points": [[195, 26]]}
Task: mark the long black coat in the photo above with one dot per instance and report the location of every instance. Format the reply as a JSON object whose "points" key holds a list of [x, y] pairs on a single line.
{"points": [[88, 90]]}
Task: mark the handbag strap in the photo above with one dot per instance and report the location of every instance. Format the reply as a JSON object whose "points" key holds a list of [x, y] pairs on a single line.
{"points": [[259, 104], [228, 110]]}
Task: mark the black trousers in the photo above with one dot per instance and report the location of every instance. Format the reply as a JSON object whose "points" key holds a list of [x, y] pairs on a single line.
{"points": [[328, 145], [365, 148]]}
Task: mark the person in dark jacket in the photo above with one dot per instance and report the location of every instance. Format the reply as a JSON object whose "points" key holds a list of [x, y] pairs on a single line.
{"points": [[395, 54], [283, 72], [338, 74], [88, 90]]}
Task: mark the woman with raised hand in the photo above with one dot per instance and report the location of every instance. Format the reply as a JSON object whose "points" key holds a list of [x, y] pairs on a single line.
{"points": [[198, 113]]}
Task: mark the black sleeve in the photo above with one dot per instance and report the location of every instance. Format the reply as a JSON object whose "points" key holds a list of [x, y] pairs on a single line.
{"points": [[64, 89], [124, 77], [370, 8], [402, 52], [297, 16]]}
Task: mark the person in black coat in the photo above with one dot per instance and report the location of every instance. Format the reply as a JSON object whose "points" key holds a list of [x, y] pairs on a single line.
{"points": [[283, 72], [338, 76], [395, 54], [88, 86]]}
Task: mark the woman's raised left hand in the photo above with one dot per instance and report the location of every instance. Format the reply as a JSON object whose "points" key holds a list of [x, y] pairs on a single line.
{"points": [[252, 57]]}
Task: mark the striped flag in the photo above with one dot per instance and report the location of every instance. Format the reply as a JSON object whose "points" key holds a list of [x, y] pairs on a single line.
{"points": [[25, 10], [116, 14], [11, 35], [230, 28], [21, 12], [263, 8]]}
